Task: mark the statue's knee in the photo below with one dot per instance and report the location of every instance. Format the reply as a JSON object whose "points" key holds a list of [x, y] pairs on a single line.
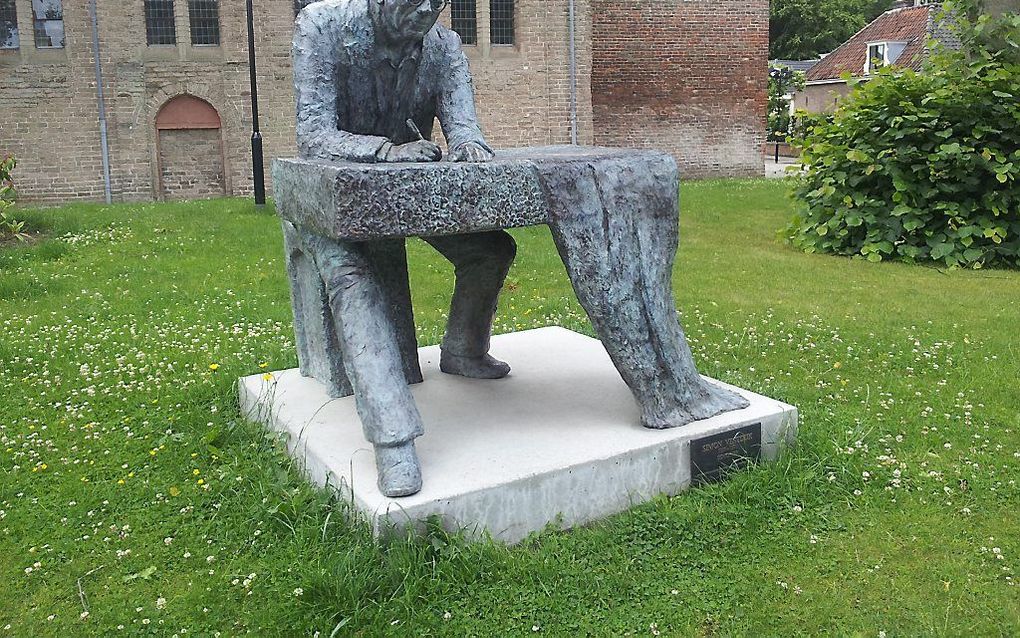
{"points": [[504, 249], [343, 280]]}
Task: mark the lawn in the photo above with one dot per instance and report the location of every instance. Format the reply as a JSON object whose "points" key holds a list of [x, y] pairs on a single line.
{"points": [[131, 488]]}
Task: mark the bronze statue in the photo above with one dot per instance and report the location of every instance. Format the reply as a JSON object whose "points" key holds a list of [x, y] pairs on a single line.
{"points": [[371, 77]]}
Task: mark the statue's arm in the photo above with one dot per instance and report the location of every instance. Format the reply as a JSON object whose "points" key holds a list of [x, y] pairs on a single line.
{"points": [[456, 103], [315, 86]]}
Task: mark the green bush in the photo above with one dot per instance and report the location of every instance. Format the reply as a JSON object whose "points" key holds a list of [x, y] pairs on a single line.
{"points": [[9, 225], [921, 166]]}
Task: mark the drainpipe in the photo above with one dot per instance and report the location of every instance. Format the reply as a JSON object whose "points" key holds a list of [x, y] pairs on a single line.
{"points": [[573, 72], [104, 142]]}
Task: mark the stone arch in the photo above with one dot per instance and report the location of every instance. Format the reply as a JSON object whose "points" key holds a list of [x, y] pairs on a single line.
{"points": [[190, 162]]}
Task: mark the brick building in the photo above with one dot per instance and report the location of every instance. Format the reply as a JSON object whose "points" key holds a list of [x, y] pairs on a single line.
{"points": [[683, 75]]}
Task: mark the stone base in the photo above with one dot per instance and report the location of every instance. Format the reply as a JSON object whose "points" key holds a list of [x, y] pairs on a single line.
{"points": [[557, 442]]}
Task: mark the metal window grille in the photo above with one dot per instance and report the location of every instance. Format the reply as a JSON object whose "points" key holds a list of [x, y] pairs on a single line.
{"points": [[205, 21], [159, 22], [48, 24], [8, 25], [501, 22], [464, 19]]}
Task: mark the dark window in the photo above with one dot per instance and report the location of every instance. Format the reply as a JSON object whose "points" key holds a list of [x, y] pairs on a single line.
{"points": [[501, 22], [205, 21], [48, 24], [8, 25], [876, 57], [159, 22], [464, 19]]}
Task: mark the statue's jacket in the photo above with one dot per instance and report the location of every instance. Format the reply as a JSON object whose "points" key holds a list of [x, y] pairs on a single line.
{"points": [[353, 101]]}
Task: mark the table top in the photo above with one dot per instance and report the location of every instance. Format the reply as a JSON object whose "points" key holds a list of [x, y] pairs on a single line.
{"points": [[359, 202]]}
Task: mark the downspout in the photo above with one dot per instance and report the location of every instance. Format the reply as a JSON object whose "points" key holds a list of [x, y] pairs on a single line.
{"points": [[573, 72], [103, 140]]}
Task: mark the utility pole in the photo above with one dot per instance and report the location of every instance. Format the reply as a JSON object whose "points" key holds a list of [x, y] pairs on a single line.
{"points": [[257, 162]]}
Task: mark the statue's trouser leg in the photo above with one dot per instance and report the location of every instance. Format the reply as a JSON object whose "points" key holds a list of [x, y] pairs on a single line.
{"points": [[615, 226], [481, 262], [315, 331], [368, 341]]}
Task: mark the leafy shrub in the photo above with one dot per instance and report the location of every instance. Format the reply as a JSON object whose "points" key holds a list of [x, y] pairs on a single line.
{"points": [[921, 166], [9, 225]]}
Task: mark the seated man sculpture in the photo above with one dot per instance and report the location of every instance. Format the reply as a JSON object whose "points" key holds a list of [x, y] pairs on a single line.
{"points": [[371, 77]]}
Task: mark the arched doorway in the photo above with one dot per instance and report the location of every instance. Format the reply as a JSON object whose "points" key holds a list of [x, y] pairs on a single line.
{"points": [[189, 150]]}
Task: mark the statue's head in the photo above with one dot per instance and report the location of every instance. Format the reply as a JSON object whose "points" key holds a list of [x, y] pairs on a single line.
{"points": [[410, 17]]}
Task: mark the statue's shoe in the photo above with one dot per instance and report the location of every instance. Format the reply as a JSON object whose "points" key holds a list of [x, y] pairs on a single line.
{"points": [[483, 367], [398, 469]]}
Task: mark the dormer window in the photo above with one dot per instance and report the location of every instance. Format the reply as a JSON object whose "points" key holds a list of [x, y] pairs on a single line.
{"points": [[882, 54], [877, 57]]}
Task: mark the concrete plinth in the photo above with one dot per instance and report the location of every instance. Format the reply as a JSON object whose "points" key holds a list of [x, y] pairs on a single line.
{"points": [[559, 441]]}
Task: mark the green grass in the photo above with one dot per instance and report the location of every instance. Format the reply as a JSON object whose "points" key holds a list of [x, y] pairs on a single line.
{"points": [[896, 512]]}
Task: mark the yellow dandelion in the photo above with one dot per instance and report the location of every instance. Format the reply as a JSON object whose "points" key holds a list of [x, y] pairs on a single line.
{"points": [[267, 376], [120, 482], [201, 481], [214, 366], [837, 365], [175, 491], [263, 365], [196, 472]]}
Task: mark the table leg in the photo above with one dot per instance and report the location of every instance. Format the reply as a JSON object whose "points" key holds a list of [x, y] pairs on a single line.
{"points": [[615, 224]]}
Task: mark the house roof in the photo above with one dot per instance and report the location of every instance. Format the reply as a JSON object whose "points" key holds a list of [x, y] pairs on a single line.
{"points": [[910, 25], [797, 65]]}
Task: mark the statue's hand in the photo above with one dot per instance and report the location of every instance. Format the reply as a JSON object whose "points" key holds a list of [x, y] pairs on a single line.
{"points": [[471, 152], [420, 151]]}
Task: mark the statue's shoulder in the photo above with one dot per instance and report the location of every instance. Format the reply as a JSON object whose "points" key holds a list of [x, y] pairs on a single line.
{"points": [[444, 40], [334, 12]]}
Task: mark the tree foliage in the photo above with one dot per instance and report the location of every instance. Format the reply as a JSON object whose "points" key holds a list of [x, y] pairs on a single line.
{"points": [[783, 81], [804, 29], [922, 166]]}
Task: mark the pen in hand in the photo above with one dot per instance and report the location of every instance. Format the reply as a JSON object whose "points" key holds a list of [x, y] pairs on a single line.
{"points": [[414, 129]]}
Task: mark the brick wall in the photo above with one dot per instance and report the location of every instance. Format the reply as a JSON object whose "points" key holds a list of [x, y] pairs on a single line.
{"points": [[191, 164], [710, 114], [687, 76], [820, 98], [523, 91], [50, 116]]}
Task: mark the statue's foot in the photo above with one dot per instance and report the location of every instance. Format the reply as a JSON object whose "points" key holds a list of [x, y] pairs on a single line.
{"points": [[399, 470], [483, 367], [710, 402]]}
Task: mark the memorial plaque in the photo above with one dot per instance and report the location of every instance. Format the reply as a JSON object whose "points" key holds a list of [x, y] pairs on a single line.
{"points": [[713, 456]]}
